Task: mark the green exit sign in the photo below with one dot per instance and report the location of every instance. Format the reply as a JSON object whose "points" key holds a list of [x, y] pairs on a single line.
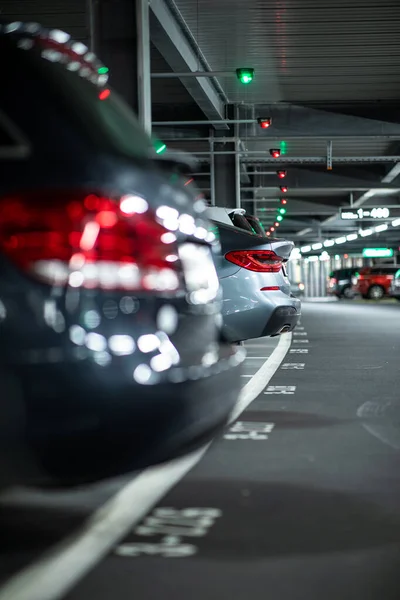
{"points": [[377, 252]]}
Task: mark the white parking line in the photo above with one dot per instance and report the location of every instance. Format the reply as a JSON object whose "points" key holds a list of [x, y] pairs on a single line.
{"points": [[52, 576]]}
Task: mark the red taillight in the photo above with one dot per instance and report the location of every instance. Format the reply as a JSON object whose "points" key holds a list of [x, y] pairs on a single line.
{"points": [[261, 261], [89, 240]]}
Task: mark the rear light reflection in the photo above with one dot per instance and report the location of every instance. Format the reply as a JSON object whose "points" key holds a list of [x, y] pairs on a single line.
{"points": [[72, 238], [260, 261]]}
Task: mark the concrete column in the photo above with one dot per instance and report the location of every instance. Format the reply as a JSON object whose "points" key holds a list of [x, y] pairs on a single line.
{"points": [[121, 42], [225, 175]]}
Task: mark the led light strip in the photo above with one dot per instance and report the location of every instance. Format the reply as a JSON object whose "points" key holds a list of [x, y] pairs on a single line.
{"points": [[349, 238]]}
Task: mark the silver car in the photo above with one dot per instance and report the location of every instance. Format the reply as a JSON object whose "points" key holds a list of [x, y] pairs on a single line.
{"points": [[257, 298]]}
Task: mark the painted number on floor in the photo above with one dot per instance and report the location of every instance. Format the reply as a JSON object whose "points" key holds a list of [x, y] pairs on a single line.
{"points": [[299, 351], [293, 366], [280, 389], [249, 430], [172, 524], [299, 333], [300, 341]]}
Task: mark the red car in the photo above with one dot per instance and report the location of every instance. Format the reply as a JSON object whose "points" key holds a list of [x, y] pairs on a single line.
{"points": [[374, 282]]}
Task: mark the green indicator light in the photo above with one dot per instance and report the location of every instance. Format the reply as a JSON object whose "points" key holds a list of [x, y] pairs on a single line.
{"points": [[283, 147], [245, 75], [279, 218], [282, 211], [102, 70], [161, 149]]}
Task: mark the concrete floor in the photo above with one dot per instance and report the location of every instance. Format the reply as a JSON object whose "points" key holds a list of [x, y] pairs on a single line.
{"points": [[300, 500]]}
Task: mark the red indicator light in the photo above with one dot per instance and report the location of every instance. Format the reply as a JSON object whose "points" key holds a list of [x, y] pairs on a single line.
{"points": [[264, 123], [283, 201], [284, 189], [275, 152], [276, 224], [272, 228], [104, 94], [281, 174], [271, 288]]}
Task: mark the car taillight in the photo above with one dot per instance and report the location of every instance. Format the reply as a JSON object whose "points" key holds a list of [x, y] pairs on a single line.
{"points": [[89, 240], [261, 261]]}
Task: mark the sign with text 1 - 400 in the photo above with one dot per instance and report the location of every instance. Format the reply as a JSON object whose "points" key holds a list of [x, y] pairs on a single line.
{"points": [[371, 213]]}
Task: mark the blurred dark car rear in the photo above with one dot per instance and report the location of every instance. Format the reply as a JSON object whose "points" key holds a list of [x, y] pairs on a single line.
{"points": [[110, 321], [340, 282], [395, 286]]}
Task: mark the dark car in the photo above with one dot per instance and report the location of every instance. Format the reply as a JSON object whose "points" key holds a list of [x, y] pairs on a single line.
{"points": [[373, 283], [395, 286], [340, 282], [110, 321]]}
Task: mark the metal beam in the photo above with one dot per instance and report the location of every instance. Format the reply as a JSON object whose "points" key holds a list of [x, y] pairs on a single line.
{"points": [[300, 179], [170, 74], [143, 63], [298, 121], [218, 121], [174, 41], [259, 156]]}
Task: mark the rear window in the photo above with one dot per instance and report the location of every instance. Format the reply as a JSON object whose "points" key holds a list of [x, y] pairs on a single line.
{"points": [[241, 221], [101, 112], [256, 225]]}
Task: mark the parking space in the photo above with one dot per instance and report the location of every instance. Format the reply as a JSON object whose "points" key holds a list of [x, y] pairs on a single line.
{"points": [[299, 498], [35, 522]]}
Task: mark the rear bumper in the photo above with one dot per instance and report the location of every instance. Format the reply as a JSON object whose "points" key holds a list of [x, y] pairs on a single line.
{"points": [[283, 320], [78, 433], [265, 315]]}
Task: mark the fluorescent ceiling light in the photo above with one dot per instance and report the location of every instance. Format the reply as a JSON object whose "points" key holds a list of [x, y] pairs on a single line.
{"points": [[305, 249], [317, 246], [365, 232], [329, 243], [381, 227], [340, 240], [351, 237], [313, 258], [396, 223]]}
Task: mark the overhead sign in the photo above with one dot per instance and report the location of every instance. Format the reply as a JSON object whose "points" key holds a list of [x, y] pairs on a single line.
{"points": [[370, 213], [377, 252]]}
